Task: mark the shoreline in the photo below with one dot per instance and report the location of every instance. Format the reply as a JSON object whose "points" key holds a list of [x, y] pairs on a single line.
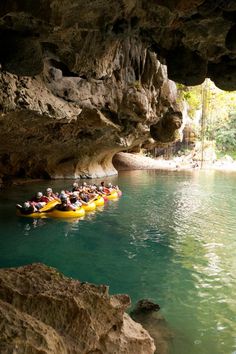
{"points": [[126, 161]]}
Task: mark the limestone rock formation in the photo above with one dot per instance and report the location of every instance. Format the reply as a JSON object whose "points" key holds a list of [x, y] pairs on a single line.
{"points": [[81, 80], [43, 311], [81, 37], [124, 161], [54, 126]]}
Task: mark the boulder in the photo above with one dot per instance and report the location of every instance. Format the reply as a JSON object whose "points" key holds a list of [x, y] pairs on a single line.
{"points": [[43, 311]]}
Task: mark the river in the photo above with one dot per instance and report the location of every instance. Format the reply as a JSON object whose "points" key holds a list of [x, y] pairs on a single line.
{"points": [[171, 238]]}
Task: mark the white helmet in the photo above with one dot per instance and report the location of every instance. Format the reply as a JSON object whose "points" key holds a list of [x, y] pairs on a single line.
{"points": [[39, 195], [75, 185], [49, 190], [63, 198]]}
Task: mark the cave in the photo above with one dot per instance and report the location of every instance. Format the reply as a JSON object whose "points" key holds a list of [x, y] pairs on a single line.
{"points": [[103, 71]]}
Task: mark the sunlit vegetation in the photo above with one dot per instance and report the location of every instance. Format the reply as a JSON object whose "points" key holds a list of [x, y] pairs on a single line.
{"points": [[220, 115]]}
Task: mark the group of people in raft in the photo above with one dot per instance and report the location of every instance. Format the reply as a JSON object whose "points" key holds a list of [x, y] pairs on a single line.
{"points": [[68, 200]]}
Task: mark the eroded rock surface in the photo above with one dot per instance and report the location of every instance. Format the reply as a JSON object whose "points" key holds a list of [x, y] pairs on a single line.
{"points": [[43, 311], [82, 81], [81, 37], [56, 126]]}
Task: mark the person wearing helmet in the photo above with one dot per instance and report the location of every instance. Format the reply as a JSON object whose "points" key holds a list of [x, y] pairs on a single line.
{"points": [[100, 192], [50, 195], [91, 192], [84, 198], [65, 204], [39, 200], [62, 192], [85, 187], [110, 187], [75, 187], [105, 189], [75, 201], [27, 208]]}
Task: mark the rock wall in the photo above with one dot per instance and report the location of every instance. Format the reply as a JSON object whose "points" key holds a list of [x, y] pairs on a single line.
{"points": [[195, 37], [81, 80], [41, 311], [58, 126]]}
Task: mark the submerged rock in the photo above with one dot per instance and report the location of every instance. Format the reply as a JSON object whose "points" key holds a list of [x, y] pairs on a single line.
{"points": [[146, 313], [145, 306], [43, 311]]}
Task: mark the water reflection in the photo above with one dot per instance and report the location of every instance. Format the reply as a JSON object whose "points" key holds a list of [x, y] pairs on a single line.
{"points": [[198, 221], [171, 238], [33, 225]]}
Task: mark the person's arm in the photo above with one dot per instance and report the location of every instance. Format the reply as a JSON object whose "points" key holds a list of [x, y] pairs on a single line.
{"points": [[92, 200], [83, 202], [72, 207], [55, 196]]}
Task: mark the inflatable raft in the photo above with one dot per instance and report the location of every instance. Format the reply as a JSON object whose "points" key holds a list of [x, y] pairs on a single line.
{"points": [[99, 201], [32, 215], [49, 210], [89, 207], [113, 195], [42, 213], [78, 213]]}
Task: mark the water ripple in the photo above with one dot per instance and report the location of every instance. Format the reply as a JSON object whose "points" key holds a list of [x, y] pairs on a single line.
{"points": [[171, 237]]}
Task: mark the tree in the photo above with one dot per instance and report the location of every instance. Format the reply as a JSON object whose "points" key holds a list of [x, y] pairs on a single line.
{"points": [[225, 135], [220, 114]]}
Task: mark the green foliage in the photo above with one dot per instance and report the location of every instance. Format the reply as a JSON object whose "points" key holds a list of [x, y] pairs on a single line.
{"points": [[225, 135], [220, 113], [220, 153], [192, 95]]}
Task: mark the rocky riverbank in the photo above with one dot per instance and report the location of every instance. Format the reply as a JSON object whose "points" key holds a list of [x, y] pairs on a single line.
{"points": [[126, 161]]}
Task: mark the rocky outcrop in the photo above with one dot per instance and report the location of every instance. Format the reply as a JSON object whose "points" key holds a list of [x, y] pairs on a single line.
{"points": [[195, 37], [124, 161], [81, 80], [55, 126], [41, 311]]}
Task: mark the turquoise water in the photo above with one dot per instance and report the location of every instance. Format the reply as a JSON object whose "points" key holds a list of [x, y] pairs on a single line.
{"points": [[170, 238]]}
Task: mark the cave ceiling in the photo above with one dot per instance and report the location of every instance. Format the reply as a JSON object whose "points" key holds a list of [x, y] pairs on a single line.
{"points": [[83, 80], [195, 38]]}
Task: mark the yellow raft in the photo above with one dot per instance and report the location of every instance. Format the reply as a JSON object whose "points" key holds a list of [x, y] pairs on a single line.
{"points": [[89, 207], [78, 213], [32, 215], [99, 201], [42, 213], [113, 195], [49, 211]]}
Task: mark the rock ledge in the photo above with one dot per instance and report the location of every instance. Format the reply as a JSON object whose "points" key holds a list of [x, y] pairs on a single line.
{"points": [[42, 311]]}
